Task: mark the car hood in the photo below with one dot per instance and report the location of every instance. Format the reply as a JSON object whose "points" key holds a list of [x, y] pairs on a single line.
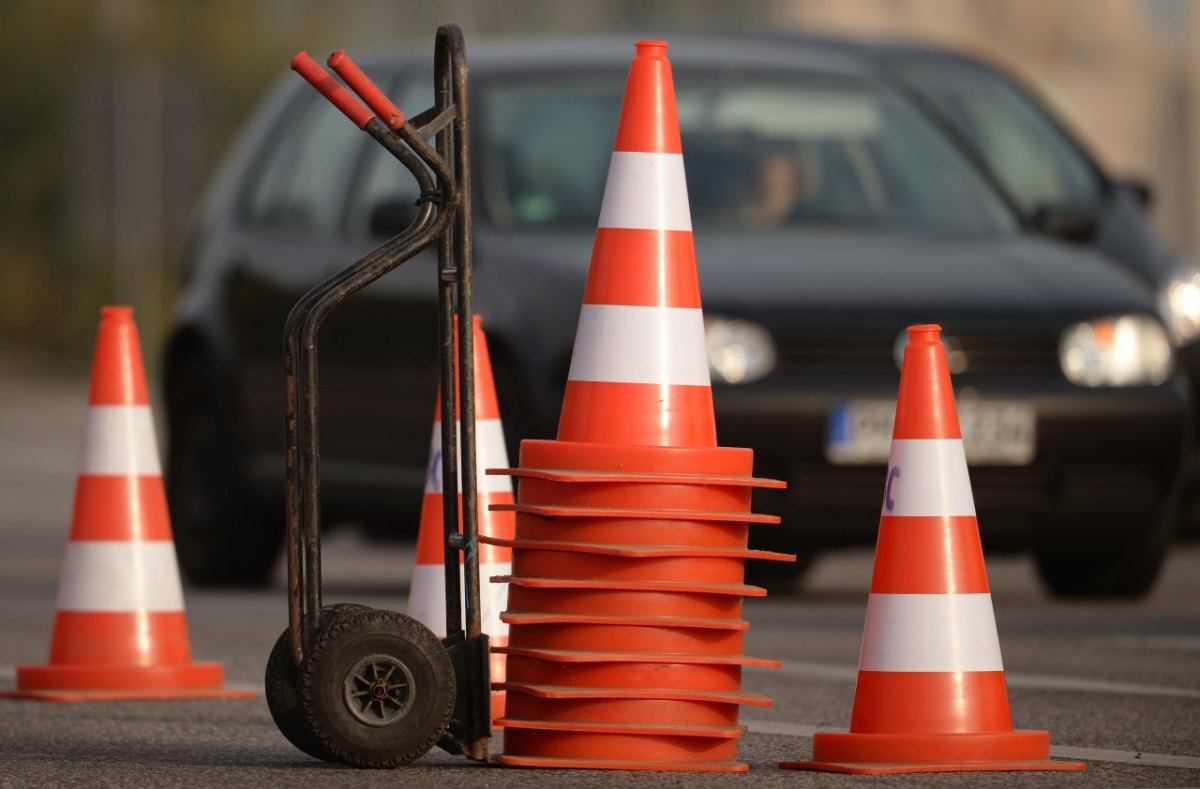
{"points": [[869, 276]]}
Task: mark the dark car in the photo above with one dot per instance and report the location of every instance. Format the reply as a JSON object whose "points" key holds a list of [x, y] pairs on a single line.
{"points": [[1058, 188], [829, 213]]}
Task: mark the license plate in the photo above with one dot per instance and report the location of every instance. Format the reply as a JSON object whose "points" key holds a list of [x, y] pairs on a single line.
{"points": [[995, 432]]}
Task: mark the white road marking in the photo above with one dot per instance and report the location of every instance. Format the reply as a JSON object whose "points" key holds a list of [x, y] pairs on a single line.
{"points": [[835, 672], [783, 727], [788, 729], [1050, 682], [1165, 643], [1125, 757]]}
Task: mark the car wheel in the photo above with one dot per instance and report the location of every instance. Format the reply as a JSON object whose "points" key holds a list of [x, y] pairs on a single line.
{"points": [[377, 689], [223, 536], [282, 688], [1127, 567]]}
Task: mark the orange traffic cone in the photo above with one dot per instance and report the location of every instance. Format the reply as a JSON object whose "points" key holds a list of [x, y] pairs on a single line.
{"points": [[120, 630], [931, 695], [427, 595], [639, 371], [625, 601]]}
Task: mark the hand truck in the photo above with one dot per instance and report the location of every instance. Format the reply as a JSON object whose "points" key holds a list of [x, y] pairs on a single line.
{"points": [[348, 683]]}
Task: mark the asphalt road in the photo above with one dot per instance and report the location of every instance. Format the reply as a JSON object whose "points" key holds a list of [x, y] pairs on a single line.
{"points": [[1117, 685]]}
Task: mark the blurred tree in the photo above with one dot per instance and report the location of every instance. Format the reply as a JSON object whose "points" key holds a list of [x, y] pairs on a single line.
{"points": [[64, 67]]}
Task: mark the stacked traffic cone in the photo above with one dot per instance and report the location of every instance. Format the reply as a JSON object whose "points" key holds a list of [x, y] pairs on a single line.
{"points": [[427, 594], [625, 601], [931, 695], [120, 631]]}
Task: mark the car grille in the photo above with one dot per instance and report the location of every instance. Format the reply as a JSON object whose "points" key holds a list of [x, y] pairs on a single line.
{"points": [[986, 353]]}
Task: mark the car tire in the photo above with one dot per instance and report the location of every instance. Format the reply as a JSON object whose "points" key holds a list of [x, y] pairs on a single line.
{"points": [[223, 535], [1120, 568]]}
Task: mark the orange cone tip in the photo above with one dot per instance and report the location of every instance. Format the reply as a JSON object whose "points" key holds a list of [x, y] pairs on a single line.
{"points": [[639, 371]]}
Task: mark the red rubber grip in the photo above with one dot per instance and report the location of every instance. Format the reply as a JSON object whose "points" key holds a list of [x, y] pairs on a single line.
{"points": [[328, 87], [367, 90]]}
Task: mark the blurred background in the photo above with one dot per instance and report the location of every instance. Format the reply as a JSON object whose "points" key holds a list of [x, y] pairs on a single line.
{"points": [[115, 112]]}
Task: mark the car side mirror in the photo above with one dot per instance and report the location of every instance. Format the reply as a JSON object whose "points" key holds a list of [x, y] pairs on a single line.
{"points": [[1141, 192], [391, 216], [1076, 225]]}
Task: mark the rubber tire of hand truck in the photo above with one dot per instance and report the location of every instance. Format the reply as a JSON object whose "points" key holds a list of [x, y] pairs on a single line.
{"points": [[281, 688], [408, 724]]}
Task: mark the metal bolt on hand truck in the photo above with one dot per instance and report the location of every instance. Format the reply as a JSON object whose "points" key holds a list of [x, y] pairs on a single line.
{"points": [[348, 683]]}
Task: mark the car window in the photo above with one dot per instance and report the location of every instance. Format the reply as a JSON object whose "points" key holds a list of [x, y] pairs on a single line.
{"points": [[301, 182], [759, 153], [1031, 157]]}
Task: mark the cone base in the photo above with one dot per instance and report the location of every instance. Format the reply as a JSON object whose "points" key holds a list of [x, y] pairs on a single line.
{"points": [[177, 694], [81, 682], [965, 767], [615, 764], [877, 754]]}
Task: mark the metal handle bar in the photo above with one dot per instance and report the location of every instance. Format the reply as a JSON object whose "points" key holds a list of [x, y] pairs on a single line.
{"points": [[367, 90], [300, 346], [328, 87]]}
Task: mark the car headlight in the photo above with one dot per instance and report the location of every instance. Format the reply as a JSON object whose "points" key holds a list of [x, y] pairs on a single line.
{"points": [[1124, 350], [739, 351], [1179, 302]]}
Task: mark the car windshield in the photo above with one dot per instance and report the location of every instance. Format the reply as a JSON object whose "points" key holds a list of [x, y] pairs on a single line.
{"points": [[760, 154], [1031, 157]]}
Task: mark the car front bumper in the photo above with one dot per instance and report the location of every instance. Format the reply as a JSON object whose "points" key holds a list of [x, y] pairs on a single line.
{"points": [[1106, 461]]}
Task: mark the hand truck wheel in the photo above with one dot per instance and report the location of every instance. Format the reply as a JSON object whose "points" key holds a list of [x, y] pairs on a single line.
{"points": [[282, 683], [377, 689]]}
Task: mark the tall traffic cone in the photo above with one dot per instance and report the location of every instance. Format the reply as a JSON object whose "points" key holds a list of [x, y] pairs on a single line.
{"points": [[639, 371], [120, 630], [427, 594], [625, 601], [931, 695]]}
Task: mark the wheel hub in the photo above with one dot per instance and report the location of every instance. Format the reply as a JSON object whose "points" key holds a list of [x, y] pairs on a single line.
{"points": [[378, 690]]}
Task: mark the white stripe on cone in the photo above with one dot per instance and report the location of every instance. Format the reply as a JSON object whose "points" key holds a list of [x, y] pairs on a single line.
{"points": [[927, 476], [427, 598], [930, 632], [640, 345], [646, 191], [119, 441], [490, 452], [120, 576]]}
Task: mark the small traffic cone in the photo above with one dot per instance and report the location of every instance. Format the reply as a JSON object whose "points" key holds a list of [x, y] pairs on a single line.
{"points": [[625, 602], [931, 695], [120, 631], [427, 594], [639, 371]]}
